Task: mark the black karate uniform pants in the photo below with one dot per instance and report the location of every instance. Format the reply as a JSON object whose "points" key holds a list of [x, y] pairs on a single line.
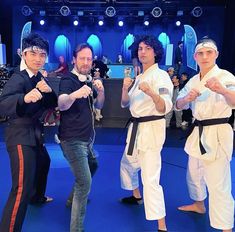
{"points": [[29, 169], [23, 169], [42, 168]]}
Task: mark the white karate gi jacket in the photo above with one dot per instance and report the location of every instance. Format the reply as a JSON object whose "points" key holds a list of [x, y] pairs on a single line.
{"points": [[150, 135], [217, 139]]}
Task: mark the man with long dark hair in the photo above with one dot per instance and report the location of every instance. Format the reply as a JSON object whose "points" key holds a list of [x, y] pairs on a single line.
{"points": [[149, 99]]}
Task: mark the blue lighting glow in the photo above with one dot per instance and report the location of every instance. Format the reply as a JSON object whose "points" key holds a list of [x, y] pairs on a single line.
{"points": [[164, 39], [126, 44], [94, 41], [62, 47]]}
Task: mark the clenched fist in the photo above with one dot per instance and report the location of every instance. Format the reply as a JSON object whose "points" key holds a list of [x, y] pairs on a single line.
{"points": [[33, 96], [83, 92], [98, 85], [192, 95], [144, 86], [127, 82], [214, 85], [43, 87]]}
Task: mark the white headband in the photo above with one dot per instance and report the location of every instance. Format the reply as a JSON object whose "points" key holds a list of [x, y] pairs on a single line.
{"points": [[206, 45], [35, 49]]}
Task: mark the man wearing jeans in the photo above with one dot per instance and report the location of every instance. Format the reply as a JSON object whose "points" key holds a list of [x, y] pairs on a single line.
{"points": [[76, 131]]}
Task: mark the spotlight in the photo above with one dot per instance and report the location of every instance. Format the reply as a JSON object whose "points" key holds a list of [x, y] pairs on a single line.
{"points": [[101, 21], [65, 11], [42, 22], [146, 21], [120, 23], [110, 11], [26, 11], [177, 23], [156, 12], [75, 22]]}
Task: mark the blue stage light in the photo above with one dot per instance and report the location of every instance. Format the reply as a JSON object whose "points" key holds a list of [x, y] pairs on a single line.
{"points": [[75, 22], [178, 23], [42, 22], [120, 23], [146, 22], [101, 22]]}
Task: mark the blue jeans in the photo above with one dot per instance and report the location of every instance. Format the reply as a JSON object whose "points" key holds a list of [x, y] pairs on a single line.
{"points": [[76, 152]]}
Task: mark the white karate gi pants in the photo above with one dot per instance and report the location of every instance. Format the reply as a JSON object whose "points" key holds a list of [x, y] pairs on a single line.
{"points": [[150, 164], [216, 176]]}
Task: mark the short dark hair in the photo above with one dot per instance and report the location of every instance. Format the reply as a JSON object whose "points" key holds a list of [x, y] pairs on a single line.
{"points": [[34, 39], [205, 39], [153, 43], [185, 74], [81, 47]]}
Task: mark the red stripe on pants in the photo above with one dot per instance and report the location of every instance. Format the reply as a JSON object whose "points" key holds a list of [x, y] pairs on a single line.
{"points": [[20, 188]]}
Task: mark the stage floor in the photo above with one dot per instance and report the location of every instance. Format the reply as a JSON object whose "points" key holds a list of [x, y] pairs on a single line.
{"points": [[104, 211]]}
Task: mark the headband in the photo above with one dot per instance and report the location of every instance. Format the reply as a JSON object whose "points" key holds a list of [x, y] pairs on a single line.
{"points": [[206, 45], [35, 49]]}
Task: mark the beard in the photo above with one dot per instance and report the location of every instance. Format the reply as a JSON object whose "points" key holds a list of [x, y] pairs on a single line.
{"points": [[84, 69]]}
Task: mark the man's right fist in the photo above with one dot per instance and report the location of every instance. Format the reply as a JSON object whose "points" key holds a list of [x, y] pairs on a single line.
{"points": [[33, 96], [83, 92], [127, 82]]}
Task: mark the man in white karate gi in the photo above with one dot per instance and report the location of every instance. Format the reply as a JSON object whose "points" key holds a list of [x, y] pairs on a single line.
{"points": [[211, 96], [149, 100]]}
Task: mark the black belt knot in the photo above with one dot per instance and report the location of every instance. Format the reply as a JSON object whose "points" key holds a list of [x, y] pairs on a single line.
{"points": [[135, 122], [206, 122]]}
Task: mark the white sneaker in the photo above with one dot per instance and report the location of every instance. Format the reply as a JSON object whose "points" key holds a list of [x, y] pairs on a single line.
{"points": [[57, 140]]}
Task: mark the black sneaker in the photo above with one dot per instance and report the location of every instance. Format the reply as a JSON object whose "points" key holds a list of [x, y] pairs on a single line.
{"points": [[132, 200]]}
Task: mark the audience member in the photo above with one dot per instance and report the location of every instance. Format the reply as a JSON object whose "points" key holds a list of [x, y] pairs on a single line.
{"points": [[103, 68], [178, 57], [186, 114], [17, 57], [105, 60], [119, 59], [63, 67], [178, 114], [96, 76]]}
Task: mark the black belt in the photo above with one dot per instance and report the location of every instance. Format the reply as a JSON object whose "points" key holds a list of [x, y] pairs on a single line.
{"points": [[135, 122], [206, 122]]}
